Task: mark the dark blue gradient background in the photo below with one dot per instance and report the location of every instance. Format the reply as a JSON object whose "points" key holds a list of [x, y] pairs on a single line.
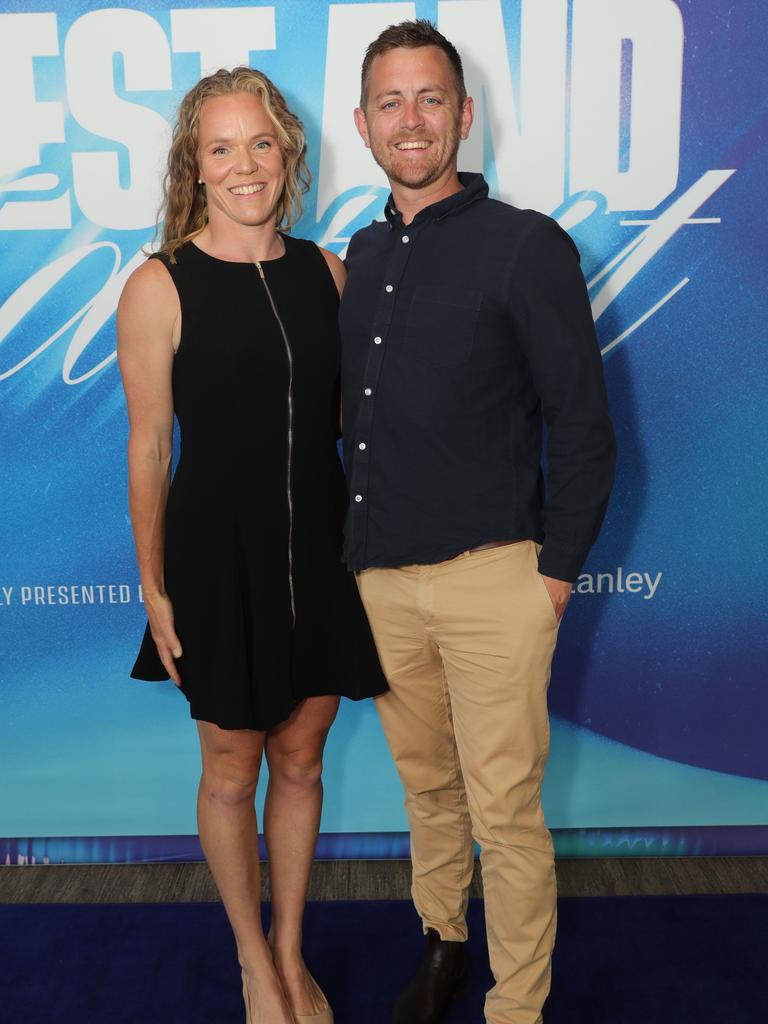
{"points": [[685, 675]]}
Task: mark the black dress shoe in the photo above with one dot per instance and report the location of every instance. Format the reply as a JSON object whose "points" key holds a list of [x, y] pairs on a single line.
{"points": [[442, 972]]}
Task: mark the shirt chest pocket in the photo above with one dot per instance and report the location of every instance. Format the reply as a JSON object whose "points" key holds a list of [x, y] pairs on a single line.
{"points": [[442, 323]]}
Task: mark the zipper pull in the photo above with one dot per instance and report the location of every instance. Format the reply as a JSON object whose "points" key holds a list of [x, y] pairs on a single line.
{"points": [[261, 272]]}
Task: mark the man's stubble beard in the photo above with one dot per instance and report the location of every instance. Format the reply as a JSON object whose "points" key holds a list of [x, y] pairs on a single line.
{"points": [[430, 174]]}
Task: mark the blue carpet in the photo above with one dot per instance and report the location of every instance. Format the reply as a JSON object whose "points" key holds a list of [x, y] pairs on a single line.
{"points": [[618, 960]]}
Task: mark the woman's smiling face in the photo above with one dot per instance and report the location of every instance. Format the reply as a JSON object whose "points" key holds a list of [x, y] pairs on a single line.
{"points": [[239, 160]]}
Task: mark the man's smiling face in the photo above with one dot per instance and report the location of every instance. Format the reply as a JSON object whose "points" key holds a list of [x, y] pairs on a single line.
{"points": [[413, 118]]}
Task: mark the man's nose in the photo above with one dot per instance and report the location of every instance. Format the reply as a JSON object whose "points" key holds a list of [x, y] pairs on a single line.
{"points": [[412, 115]]}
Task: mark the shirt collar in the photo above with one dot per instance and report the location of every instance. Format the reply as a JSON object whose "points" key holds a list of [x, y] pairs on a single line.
{"points": [[474, 187]]}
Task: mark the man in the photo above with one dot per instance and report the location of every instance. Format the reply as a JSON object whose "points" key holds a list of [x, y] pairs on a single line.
{"points": [[465, 322]]}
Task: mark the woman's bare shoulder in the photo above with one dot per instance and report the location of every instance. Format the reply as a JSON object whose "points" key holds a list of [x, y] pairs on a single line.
{"points": [[336, 267], [148, 298], [150, 278]]}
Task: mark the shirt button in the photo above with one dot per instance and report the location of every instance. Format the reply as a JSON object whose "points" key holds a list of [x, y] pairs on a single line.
{"points": [[361, 446], [358, 497], [367, 391], [389, 288], [406, 238], [377, 340]]}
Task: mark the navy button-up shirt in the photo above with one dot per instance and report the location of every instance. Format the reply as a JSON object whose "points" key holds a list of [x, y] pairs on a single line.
{"points": [[460, 331]]}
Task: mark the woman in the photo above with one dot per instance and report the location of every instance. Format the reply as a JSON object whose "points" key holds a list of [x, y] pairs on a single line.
{"points": [[232, 328]]}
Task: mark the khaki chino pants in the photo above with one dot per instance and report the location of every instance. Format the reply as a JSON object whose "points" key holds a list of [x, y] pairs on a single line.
{"points": [[466, 646]]}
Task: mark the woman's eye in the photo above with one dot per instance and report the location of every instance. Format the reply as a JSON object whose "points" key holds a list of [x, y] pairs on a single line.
{"points": [[262, 145], [219, 150]]}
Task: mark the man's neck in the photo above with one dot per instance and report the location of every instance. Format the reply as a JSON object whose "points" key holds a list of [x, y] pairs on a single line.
{"points": [[409, 201]]}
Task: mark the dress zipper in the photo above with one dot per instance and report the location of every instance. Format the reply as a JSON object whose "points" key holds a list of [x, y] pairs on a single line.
{"points": [[289, 354]]}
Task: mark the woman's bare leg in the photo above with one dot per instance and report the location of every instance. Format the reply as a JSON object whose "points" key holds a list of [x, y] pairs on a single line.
{"points": [[228, 832], [291, 821]]}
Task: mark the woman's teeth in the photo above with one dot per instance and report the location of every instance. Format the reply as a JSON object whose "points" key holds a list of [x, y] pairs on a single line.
{"points": [[246, 190]]}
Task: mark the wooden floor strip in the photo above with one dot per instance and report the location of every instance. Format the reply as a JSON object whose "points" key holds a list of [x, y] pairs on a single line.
{"points": [[374, 880]]}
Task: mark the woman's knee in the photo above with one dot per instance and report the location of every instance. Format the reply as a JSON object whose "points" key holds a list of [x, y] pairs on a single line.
{"points": [[228, 788], [302, 768], [231, 764], [230, 781]]}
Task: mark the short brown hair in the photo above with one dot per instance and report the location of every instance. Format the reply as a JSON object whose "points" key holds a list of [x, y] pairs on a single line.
{"points": [[185, 211], [411, 35]]}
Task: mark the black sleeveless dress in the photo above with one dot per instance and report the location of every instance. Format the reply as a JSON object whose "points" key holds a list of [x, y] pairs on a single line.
{"points": [[265, 611]]}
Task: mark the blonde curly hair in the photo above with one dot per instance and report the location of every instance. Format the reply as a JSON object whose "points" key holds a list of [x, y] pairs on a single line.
{"points": [[184, 212]]}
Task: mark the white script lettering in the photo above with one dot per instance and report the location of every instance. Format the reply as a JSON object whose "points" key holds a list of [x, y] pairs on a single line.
{"points": [[618, 582]]}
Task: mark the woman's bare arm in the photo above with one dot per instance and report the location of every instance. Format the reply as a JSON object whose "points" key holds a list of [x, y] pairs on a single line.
{"points": [[148, 327]]}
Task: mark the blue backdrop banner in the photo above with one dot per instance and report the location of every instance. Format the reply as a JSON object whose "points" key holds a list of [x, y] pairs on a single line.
{"points": [[641, 126]]}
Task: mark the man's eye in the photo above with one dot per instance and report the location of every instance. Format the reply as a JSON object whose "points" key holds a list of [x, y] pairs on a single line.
{"points": [[390, 105], [432, 100]]}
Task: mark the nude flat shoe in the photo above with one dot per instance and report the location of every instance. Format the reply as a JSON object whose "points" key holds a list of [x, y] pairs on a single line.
{"points": [[324, 1017], [318, 1018]]}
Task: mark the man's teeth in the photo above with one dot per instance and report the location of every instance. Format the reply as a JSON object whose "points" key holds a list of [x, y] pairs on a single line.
{"points": [[411, 145], [246, 190]]}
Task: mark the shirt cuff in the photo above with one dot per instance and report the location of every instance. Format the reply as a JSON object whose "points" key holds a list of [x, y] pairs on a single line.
{"points": [[560, 561]]}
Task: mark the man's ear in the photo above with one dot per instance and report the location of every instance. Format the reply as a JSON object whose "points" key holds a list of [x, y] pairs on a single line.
{"points": [[362, 126], [467, 115]]}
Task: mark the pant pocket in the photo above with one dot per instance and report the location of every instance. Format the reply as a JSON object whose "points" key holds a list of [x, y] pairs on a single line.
{"points": [[542, 587]]}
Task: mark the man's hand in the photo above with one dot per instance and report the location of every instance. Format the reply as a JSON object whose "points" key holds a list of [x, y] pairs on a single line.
{"points": [[559, 593]]}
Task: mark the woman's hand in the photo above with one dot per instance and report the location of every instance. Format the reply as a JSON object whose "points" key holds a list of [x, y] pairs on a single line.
{"points": [[160, 615]]}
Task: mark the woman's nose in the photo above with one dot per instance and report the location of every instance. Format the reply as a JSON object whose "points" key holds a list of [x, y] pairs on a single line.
{"points": [[246, 160]]}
